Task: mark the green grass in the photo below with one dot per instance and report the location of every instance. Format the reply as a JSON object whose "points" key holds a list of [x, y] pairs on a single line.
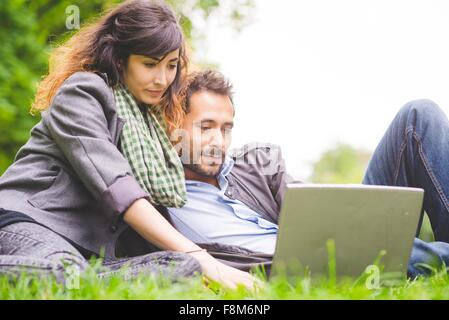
{"points": [[152, 287], [161, 288]]}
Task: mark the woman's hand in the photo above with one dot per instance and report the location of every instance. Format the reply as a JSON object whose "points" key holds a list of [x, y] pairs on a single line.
{"points": [[152, 226], [228, 276]]}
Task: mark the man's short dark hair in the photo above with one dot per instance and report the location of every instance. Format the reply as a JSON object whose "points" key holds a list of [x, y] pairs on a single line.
{"points": [[208, 80]]}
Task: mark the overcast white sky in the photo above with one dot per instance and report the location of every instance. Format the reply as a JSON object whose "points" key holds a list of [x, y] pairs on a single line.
{"points": [[309, 74]]}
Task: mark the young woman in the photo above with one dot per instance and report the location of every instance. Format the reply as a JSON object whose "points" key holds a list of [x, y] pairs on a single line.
{"points": [[99, 164]]}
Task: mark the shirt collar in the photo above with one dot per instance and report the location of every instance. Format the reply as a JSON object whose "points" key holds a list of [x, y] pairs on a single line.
{"points": [[227, 166], [225, 169]]}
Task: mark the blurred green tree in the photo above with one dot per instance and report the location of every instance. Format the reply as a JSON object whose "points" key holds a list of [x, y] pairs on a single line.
{"points": [[22, 61], [341, 164], [30, 28]]}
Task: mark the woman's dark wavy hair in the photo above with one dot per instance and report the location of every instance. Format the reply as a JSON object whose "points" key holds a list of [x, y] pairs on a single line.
{"points": [[142, 27]]}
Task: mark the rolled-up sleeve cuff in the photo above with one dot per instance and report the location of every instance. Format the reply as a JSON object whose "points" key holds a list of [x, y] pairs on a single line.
{"points": [[121, 195]]}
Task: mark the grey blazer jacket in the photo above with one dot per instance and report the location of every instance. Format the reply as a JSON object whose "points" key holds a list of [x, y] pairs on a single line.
{"points": [[70, 175]]}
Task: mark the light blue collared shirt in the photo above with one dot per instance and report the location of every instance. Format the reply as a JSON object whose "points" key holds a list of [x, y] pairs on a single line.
{"points": [[210, 216]]}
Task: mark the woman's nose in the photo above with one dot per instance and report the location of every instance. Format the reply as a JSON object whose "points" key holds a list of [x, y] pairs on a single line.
{"points": [[160, 78]]}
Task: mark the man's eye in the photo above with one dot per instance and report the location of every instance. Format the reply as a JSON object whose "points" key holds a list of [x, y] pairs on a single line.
{"points": [[205, 128]]}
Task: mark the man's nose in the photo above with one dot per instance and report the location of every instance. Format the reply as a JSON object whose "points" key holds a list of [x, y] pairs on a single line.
{"points": [[217, 138]]}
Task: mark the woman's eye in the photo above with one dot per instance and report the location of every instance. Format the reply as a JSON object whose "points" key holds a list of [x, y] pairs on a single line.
{"points": [[150, 65], [173, 66], [205, 128]]}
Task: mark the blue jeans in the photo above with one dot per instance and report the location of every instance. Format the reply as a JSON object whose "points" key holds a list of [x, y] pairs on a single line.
{"points": [[32, 248], [414, 152]]}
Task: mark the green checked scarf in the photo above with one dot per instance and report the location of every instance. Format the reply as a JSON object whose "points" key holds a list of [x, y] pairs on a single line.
{"points": [[152, 158]]}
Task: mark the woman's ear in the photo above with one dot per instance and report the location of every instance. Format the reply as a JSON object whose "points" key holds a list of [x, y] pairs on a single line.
{"points": [[121, 68], [121, 65]]}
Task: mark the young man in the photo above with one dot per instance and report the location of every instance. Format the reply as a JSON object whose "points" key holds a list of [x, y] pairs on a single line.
{"points": [[234, 199]]}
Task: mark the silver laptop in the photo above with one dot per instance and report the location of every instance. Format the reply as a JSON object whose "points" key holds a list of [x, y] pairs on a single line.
{"points": [[345, 229]]}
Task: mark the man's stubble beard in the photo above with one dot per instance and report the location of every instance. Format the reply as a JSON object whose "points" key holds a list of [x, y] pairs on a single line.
{"points": [[200, 170], [205, 170]]}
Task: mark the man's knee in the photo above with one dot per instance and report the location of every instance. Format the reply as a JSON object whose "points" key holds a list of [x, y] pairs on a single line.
{"points": [[417, 110]]}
